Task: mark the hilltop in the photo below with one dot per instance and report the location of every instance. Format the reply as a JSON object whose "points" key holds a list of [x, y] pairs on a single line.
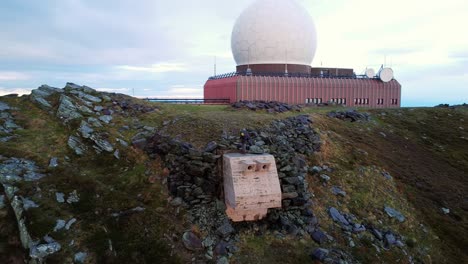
{"points": [[93, 177]]}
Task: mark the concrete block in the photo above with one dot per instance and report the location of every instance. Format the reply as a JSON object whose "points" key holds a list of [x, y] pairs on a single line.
{"points": [[251, 186]]}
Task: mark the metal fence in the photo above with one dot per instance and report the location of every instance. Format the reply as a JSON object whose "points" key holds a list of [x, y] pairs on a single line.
{"points": [[188, 101]]}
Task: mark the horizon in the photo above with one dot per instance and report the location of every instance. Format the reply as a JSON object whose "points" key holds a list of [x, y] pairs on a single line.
{"points": [[161, 49]]}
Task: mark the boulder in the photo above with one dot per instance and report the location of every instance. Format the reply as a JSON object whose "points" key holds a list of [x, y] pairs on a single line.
{"points": [[77, 145], [319, 254], [394, 214], [337, 216], [191, 241], [67, 110]]}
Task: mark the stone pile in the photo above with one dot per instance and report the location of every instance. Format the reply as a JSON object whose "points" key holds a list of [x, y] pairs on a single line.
{"points": [[269, 106], [350, 225], [193, 174], [350, 115], [194, 179]]}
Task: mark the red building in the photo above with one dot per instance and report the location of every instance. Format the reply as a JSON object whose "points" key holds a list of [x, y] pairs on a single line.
{"points": [[349, 91]]}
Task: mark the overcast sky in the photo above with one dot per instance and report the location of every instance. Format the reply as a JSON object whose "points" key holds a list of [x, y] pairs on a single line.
{"points": [[166, 48]]}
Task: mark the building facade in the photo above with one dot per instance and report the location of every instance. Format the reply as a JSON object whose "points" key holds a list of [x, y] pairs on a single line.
{"points": [[355, 92]]}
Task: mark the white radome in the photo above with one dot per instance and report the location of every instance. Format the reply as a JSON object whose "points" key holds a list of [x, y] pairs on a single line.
{"points": [[274, 32]]}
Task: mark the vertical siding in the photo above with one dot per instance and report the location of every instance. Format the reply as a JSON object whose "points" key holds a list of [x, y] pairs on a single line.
{"points": [[297, 90], [221, 89]]}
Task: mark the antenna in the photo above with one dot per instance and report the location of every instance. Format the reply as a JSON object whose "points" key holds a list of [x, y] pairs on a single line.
{"points": [[133, 92], [215, 66]]}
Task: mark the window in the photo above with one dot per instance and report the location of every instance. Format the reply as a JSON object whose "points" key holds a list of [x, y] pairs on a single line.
{"points": [[394, 101], [381, 101]]}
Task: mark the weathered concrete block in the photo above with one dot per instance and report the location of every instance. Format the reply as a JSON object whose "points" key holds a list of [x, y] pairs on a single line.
{"points": [[251, 186]]}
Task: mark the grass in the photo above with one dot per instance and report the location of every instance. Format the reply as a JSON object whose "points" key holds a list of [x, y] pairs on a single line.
{"points": [[424, 150]]}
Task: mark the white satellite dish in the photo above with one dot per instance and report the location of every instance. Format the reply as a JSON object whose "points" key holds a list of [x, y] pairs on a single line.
{"points": [[370, 73], [385, 74]]}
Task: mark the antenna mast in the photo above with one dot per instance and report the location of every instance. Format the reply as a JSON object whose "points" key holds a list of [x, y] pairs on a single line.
{"points": [[215, 66]]}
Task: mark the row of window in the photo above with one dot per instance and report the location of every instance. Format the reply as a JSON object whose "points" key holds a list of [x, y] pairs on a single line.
{"points": [[338, 100], [357, 101], [361, 101], [314, 100]]}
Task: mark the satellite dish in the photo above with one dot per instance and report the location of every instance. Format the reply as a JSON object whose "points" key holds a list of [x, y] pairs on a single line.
{"points": [[385, 74], [370, 73]]}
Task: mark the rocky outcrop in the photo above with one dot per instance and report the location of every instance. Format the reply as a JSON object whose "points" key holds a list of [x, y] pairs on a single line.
{"points": [[350, 115], [91, 109], [12, 172]]}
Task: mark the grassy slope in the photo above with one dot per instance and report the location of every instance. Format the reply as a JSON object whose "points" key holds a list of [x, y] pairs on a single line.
{"points": [[427, 156]]}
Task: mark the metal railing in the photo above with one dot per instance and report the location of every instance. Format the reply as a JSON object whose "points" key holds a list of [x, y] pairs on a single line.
{"points": [[276, 74], [187, 101]]}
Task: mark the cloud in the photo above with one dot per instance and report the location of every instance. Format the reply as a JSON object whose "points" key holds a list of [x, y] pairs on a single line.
{"points": [[114, 90], [19, 91], [156, 68], [13, 76]]}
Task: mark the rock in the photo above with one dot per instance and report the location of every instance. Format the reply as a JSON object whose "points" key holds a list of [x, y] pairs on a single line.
{"points": [[387, 175], [389, 240], [2, 201], [211, 146], [77, 145], [222, 260], [256, 150], [377, 233], [337, 216], [70, 223], [59, 225], [350, 115], [102, 144], [94, 122], [291, 195], [394, 214], [98, 108], [4, 107], [176, 202], [445, 210], [88, 97], [358, 228], [60, 197], [85, 130], [53, 163], [325, 178], [80, 257], [28, 204], [316, 169], [38, 97], [43, 250], [139, 143], [225, 230], [319, 254], [67, 110], [73, 197], [338, 191], [221, 249], [191, 241], [106, 118], [117, 154], [319, 236]]}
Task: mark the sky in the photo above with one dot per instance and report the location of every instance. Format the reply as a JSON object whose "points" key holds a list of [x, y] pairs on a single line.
{"points": [[156, 48]]}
